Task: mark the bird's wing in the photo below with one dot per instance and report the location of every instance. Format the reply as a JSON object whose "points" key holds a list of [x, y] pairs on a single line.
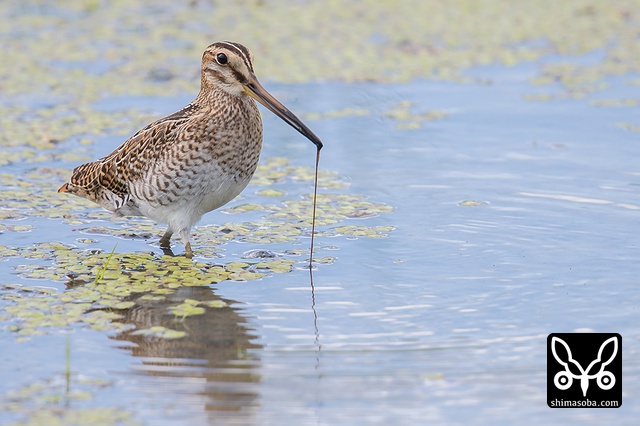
{"points": [[128, 161]]}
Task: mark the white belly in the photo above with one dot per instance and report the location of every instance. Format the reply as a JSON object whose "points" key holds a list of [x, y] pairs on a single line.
{"points": [[181, 201]]}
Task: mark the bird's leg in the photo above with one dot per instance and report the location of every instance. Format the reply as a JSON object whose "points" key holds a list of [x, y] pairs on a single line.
{"points": [[165, 241], [184, 236]]}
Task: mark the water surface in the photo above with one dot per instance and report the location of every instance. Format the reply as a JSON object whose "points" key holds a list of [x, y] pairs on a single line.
{"points": [[460, 224], [512, 220]]}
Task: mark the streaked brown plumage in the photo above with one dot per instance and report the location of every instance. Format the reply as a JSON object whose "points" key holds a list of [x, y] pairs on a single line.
{"points": [[193, 161]]}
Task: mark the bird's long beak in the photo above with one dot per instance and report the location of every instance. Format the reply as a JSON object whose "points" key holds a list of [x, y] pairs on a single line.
{"points": [[254, 89]]}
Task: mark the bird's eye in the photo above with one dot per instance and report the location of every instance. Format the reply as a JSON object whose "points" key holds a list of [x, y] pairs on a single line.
{"points": [[221, 58]]}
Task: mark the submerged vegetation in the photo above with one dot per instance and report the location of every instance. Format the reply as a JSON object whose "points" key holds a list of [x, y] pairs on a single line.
{"points": [[102, 283], [79, 54], [72, 75]]}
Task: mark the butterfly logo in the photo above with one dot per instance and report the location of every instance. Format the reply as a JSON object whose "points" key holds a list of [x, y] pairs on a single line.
{"points": [[564, 379]]}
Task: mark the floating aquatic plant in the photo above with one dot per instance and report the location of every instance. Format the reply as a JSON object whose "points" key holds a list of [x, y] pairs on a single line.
{"points": [[100, 274], [54, 401]]}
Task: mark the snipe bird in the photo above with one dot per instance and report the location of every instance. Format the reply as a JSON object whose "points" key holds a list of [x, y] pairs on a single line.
{"points": [[193, 161]]}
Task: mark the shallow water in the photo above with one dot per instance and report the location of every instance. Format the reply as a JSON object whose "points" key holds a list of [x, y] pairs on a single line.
{"points": [[499, 211], [444, 320]]}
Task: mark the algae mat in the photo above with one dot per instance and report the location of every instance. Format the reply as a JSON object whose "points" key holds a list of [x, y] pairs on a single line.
{"points": [[92, 310]]}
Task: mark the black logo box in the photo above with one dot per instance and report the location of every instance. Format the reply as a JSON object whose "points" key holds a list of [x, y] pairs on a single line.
{"points": [[584, 370]]}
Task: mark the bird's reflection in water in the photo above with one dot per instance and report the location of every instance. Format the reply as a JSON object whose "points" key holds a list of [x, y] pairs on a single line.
{"points": [[216, 359]]}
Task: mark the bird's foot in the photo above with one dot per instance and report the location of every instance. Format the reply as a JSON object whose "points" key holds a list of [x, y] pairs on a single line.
{"points": [[189, 253], [166, 250], [165, 244]]}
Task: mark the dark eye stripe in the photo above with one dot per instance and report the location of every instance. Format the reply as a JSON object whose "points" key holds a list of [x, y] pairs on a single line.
{"points": [[242, 51]]}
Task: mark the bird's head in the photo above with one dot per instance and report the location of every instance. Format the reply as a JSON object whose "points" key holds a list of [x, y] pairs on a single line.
{"points": [[228, 66]]}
